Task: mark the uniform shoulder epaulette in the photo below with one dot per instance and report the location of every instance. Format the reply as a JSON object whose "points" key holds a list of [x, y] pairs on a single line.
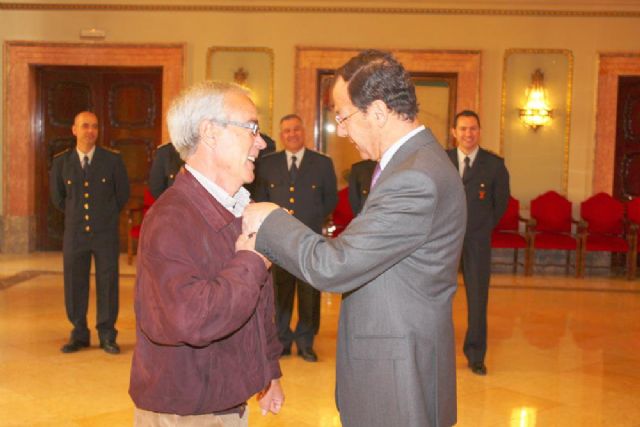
{"points": [[493, 153], [267, 156], [62, 152], [166, 144], [111, 150], [321, 154]]}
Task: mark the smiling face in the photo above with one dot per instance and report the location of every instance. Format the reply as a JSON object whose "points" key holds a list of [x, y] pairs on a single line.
{"points": [[235, 148], [292, 134], [467, 133], [355, 124], [85, 129]]}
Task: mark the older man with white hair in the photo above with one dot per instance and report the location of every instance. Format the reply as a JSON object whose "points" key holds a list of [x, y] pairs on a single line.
{"points": [[206, 339]]}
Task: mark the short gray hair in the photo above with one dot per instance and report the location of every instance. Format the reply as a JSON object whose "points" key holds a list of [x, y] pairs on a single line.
{"points": [[202, 101]]}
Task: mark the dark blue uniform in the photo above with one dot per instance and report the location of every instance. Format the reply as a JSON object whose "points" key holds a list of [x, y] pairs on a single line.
{"points": [[311, 198], [360, 184], [91, 204], [487, 191], [164, 169]]}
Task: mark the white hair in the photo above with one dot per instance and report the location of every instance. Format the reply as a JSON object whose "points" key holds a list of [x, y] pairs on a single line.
{"points": [[202, 101]]}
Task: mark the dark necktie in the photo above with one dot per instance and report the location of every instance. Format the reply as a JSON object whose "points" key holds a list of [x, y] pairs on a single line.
{"points": [[467, 169], [85, 165], [375, 176], [293, 171]]}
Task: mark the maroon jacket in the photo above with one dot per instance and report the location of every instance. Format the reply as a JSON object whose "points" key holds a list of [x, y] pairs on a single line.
{"points": [[206, 338]]}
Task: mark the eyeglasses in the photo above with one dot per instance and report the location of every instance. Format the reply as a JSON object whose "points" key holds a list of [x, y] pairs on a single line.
{"points": [[253, 125], [340, 120]]}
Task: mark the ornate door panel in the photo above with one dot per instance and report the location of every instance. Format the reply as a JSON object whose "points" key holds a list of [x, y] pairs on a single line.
{"points": [[133, 125], [127, 102], [626, 182]]}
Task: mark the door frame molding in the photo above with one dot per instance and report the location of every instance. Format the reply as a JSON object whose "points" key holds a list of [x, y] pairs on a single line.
{"points": [[611, 66], [309, 60], [19, 127]]}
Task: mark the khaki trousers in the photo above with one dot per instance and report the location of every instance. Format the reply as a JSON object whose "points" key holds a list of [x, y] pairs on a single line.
{"points": [[144, 418]]}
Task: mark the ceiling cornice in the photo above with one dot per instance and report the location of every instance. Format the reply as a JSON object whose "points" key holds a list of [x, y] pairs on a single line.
{"points": [[111, 7]]}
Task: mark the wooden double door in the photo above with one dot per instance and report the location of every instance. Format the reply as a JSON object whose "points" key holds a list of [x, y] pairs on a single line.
{"points": [[128, 103], [626, 182]]}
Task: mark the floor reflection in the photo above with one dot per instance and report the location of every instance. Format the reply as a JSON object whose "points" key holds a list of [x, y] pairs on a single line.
{"points": [[562, 352]]}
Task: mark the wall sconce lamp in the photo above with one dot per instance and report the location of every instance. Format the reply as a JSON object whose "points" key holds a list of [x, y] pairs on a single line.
{"points": [[536, 111]]}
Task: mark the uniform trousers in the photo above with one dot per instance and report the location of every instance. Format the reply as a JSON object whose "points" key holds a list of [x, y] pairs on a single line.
{"points": [[308, 309], [78, 248], [476, 270]]}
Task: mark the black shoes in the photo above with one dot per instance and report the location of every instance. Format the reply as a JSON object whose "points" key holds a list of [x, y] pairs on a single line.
{"points": [[478, 368], [110, 347], [286, 351], [73, 345], [308, 355]]}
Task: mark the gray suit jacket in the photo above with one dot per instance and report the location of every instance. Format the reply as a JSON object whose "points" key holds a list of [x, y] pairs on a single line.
{"points": [[397, 264]]}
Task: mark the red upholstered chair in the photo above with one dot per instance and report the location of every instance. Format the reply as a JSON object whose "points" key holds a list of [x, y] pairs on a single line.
{"points": [[134, 222], [550, 228], [506, 234], [604, 228], [633, 222], [342, 214]]}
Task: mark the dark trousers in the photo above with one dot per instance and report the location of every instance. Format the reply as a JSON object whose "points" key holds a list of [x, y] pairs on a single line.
{"points": [[308, 309], [77, 251], [476, 270]]}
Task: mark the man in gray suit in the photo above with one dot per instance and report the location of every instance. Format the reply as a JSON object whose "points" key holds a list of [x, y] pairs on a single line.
{"points": [[396, 262]]}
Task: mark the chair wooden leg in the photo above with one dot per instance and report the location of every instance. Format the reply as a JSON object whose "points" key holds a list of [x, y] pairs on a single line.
{"points": [[129, 250], [515, 260], [632, 263], [581, 258], [529, 260]]}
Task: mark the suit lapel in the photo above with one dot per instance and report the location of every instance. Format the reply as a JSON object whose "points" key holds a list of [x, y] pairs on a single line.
{"points": [[75, 162], [477, 165], [305, 165], [283, 167], [453, 155]]}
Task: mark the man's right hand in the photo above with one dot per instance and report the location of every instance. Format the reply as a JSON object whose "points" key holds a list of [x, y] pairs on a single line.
{"points": [[247, 242]]}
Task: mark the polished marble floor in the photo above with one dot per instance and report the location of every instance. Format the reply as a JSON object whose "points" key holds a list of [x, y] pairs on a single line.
{"points": [[562, 352]]}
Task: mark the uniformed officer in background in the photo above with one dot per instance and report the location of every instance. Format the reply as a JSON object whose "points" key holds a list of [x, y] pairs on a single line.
{"points": [[304, 182], [167, 163], [164, 168], [360, 183], [90, 185]]}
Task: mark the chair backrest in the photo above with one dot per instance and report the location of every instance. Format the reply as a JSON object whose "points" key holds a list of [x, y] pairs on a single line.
{"points": [[509, 220], [342, 214], [147, 200], [552, 212], [633, 210], [603, 213]]}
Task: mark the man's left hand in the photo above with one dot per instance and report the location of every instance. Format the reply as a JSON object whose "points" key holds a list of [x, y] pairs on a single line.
{"points": [[271, 399], [254, 214]]}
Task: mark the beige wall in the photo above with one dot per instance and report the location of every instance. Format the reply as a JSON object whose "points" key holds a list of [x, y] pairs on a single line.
{"points": [[282, 31]]}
